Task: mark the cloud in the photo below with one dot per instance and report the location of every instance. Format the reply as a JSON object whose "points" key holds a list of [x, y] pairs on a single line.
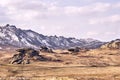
{"points": [[110, 33], [93, 8], [2, 11], [3, 15], [117, 5], [105, 20], [29, 10], [30, 5], [92, 33], [88, 0], [4, 2], [37, 9]]}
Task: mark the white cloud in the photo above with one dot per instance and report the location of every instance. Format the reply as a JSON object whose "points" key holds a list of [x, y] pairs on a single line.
{"points": [[4, 2], [110, 33], [104, 20], [3, 15], [28, 10], [92, 33], [117, 5], [42, 27], [101, 7], [93, 8], [36, 9]]}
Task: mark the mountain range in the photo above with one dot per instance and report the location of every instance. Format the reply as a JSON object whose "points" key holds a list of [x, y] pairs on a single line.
{"points": [[10, 36]]}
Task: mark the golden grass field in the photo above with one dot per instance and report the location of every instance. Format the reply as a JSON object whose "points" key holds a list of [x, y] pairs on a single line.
{"points": [[98, 64]]}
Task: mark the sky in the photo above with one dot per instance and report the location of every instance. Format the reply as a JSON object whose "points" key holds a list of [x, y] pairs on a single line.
{"points": [[97, 19]]}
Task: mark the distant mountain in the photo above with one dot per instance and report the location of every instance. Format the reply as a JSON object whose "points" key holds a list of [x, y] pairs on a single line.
{"points": [[16, 37]]}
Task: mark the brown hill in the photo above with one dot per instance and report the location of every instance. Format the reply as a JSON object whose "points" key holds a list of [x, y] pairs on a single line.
{"points": [[115, 44]]}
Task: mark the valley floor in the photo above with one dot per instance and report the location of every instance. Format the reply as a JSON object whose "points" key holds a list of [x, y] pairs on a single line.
{"points": [[31, 72], [91, 65]]}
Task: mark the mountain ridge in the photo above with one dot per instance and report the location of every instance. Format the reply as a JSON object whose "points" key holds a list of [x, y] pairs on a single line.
{"points": [[10, 35]]}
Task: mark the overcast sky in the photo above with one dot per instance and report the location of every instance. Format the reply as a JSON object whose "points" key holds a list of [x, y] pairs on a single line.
{"points": [[98, 19]]}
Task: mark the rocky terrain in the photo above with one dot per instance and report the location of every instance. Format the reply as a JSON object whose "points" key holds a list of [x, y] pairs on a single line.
{"points": [[93, 57], [115, 44], [11, 36]]}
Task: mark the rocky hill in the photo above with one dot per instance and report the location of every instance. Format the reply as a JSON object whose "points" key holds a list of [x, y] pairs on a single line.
{"points": [[115, 44], [26, 55], [11, 36]]}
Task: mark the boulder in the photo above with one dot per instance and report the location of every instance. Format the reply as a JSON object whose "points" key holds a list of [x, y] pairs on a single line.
{"points": [[76, 49], [46, 49]]}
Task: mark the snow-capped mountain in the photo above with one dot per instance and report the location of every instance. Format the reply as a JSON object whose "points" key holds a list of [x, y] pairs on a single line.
{"points": [[12, 36]]}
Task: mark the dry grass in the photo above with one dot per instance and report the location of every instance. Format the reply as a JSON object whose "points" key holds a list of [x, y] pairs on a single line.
{"points": [[92, 65]]}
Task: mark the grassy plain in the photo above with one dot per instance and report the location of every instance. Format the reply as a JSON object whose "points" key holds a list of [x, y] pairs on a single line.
{"points": [[95, 64]]}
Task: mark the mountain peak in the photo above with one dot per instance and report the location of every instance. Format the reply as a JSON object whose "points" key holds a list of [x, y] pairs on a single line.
{"points": [[9, 26]]}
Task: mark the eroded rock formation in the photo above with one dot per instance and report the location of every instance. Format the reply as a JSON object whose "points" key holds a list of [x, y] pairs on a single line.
{"points": [[24, 56], [28, 55]]}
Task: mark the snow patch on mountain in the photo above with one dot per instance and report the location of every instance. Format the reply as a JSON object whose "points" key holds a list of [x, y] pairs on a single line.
{"points": [[10, 35]]}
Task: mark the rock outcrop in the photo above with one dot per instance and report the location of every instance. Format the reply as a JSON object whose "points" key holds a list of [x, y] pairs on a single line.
{"points": [[115, 44], [24, 56], [28, 55], [76, 49], [46, 49]]}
